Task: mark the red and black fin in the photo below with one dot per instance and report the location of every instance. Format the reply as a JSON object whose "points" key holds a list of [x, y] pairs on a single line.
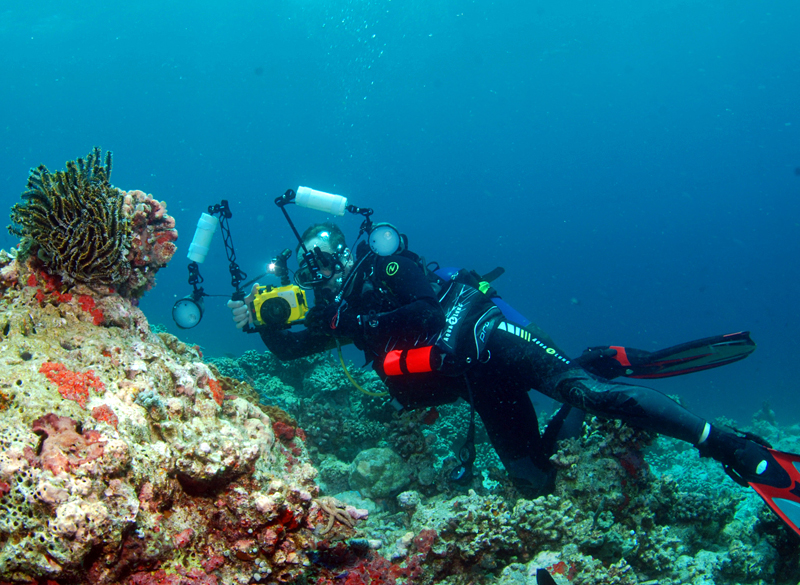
{"points": [[783, 496], [612, 361]]}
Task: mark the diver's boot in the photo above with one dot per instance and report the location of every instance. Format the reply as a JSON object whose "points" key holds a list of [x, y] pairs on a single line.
{"points": [[743, 459]]}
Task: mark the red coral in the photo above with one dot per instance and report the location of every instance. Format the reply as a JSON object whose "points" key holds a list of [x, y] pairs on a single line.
{"points": [[183, 538], [213, 563], [374, 570], [51, 283], [182, 577], [288, 520], [72, 385], [63, 448], [97, 317], [89, 306], [86, 302], [344, 565], [216, 391], [283, 431], [424, 540], [62, 297], [569, 570], [104, 413]]}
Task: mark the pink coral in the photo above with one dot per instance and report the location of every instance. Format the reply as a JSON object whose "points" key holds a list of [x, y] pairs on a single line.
{"points": [[153, 235], [72, 385], [183, 576], [104, 413], [63, 448], [183, 538]]}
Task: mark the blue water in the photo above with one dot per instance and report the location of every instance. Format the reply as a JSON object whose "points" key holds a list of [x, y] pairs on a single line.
{"points": [[632, 165]]}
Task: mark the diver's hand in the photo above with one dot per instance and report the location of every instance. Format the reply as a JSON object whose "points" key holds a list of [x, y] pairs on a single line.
{"points": [[240, 310], [319, 317], [334, 319]]}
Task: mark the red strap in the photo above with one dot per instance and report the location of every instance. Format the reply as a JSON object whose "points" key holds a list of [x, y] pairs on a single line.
{"points": [[391, 363], [621, 356], [419, 360]]}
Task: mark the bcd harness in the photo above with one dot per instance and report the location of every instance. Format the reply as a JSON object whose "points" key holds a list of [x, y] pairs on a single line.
{"points": [[472, 312], [470, 319]]}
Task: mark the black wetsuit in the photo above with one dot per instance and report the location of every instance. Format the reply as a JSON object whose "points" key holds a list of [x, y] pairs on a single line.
{"points": [[389, 304]]}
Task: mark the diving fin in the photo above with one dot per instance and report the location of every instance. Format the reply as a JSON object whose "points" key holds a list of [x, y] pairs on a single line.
{"points": [[612, 361], [782, 494], [544, 578]]}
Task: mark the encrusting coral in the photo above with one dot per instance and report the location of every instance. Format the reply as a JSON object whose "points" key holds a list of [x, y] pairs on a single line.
{"points": [[85, 230]]}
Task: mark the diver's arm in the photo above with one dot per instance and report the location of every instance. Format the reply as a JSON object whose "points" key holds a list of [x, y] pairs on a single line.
{"points": [[289, 345], [417, 321]]}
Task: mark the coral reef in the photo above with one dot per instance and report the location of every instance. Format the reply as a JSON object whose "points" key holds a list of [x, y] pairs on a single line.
{"points": [[628, 508], [86, 231], [151, 244], [126, 459]]}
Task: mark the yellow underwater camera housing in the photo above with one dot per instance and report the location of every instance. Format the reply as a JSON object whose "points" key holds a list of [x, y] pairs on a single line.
{"points": [[278, 307]]}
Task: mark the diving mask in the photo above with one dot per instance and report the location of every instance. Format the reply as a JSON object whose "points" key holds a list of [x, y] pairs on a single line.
{"points": [[329, 265]]}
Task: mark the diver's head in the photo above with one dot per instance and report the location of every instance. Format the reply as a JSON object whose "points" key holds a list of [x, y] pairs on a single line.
{"points": [[326, 242]]}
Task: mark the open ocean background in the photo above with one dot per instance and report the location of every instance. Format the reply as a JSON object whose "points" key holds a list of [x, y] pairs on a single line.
{"points": [[633, 165]]}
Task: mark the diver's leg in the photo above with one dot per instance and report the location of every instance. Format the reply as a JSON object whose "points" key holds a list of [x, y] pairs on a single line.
{"points": [[513, 428], [651, 410], [548, 370], [544, 367], [638, 406]]}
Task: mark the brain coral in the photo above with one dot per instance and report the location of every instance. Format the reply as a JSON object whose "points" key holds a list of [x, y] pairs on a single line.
{"points": [[87, 231]]}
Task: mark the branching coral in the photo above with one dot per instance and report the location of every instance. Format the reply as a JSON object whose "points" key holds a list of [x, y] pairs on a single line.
{"points": [[75, 221]]}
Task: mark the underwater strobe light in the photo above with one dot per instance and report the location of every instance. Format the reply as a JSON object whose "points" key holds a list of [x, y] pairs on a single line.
{"points": [[384, 239], [188, 311]]}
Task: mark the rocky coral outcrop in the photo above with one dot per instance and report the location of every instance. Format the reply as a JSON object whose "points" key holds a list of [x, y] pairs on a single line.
{"points": [[125, 459]]}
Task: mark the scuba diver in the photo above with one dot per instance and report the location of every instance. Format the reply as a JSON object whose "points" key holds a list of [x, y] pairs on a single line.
{"points": [[434, 338]]}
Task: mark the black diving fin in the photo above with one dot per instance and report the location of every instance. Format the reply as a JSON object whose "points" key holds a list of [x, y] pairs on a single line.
{"points": [[612, 361], [544, 578]]}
